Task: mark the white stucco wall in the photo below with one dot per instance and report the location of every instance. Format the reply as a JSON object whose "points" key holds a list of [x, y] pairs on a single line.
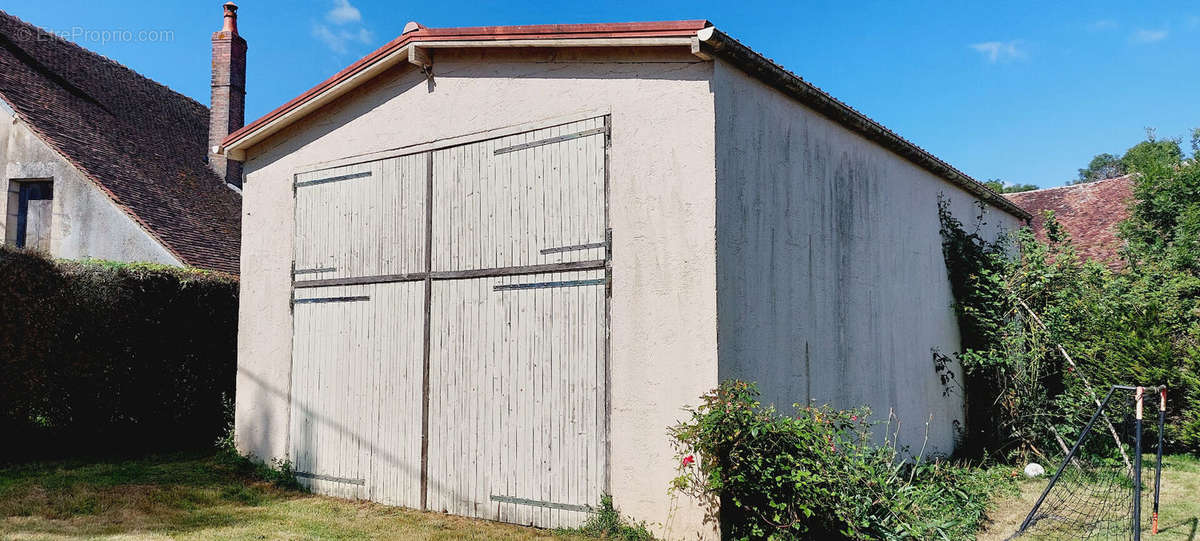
{"points": [[662, 208], [831, 285], [85, 221]]}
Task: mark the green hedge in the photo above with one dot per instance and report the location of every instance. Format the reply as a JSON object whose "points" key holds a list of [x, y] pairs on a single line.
{"points": [[99, 356]]}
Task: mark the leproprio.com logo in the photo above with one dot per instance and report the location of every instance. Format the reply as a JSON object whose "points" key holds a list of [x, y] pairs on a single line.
{"points": [[80, 34]]}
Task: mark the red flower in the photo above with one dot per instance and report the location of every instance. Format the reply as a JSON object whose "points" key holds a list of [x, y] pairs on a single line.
{"points": [[853, 417], [689, 460]]}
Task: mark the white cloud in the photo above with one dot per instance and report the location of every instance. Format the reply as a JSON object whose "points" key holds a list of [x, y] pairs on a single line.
{"points": [[995, 51], [343, 13], [345, 28], [339, 39], [1143, 35], [1105, 24]]}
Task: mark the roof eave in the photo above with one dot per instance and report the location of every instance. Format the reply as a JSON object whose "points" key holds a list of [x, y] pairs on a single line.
{"points": [[413, 48]]}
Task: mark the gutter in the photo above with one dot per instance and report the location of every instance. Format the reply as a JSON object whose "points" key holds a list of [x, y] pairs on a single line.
{"points": [[711, 42]]}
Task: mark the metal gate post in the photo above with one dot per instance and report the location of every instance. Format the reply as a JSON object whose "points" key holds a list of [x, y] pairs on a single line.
{"points": [[1162, 415], [1137, 467]]}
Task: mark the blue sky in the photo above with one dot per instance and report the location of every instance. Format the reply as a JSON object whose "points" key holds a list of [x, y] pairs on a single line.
{"points": [[1026, 92]]}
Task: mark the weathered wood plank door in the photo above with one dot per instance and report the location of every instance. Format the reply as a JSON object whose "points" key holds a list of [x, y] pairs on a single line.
{"points": [[450, 327], [517, 386], [357, 352]]}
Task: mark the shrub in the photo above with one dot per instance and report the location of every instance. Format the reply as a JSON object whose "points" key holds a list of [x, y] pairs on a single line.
{"points": [[607, 523], [817, 475], [278, 472], [107, 356]]}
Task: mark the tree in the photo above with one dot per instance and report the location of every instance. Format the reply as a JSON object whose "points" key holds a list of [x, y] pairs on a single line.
{"points": [[1152, 153], [1140, 323], [1000, 186], [1152, 150], [1164, 225], [1162, 283], [1101, 167]]}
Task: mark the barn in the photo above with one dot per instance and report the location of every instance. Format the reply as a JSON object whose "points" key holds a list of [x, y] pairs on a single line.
{"points": [[484, 269]]}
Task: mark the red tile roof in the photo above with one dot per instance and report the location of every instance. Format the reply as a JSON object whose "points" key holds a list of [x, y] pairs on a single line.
{"points": [[1089, 212], [140, 142]]}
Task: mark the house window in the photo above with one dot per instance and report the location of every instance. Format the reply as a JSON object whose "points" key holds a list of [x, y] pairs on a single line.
{"points": [[27, 224]]}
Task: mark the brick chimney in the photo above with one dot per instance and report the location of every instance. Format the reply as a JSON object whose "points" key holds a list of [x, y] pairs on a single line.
{"points": [[228, 106]]}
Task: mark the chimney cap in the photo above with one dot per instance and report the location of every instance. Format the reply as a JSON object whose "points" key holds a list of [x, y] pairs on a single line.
{"points": [[230, 25]]}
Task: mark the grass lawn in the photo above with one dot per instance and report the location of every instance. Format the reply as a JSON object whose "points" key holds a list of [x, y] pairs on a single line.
{"points": [[202, 496], [1179, 504]]}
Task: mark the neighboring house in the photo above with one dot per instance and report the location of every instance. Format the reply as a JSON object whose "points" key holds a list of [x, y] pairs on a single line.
{"points": [[1089, 212], [99, 161], [484, 269]]}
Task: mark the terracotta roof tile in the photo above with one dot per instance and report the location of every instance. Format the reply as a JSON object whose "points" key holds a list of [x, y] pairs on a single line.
{"points": [[139, 141], [1089, 212]]}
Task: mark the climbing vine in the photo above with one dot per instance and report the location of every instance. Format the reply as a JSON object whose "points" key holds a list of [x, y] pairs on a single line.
{"points": [[1042, 330], [1001, 356]]}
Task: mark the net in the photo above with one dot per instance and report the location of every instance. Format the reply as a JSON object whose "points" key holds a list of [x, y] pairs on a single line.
{"points": [[1093, 492]]}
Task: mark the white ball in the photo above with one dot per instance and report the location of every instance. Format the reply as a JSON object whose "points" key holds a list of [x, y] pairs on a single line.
{"points": [[1033, 469]]}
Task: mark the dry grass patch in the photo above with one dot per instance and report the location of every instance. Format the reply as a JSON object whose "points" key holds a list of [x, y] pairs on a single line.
{"points": [[1179, 511], [202, 496]]}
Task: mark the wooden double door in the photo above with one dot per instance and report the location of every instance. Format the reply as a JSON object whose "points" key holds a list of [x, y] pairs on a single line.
{"points": [[450, 316]]}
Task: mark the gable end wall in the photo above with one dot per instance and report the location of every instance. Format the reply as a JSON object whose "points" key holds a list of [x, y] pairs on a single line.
{"points": [[663, 345], [85, 222]]}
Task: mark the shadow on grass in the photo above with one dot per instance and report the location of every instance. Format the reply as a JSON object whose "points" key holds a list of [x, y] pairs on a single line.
{"points": [[195, 496], [1191, 525], [167, 494], [1179, 512]]}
